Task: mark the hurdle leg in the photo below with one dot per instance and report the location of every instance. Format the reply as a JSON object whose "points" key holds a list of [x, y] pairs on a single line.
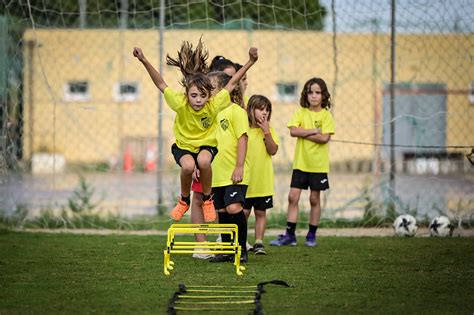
{"points": [[165, 262]]}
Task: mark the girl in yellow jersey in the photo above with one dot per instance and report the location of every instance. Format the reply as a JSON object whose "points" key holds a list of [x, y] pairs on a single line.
{"points": [[194, 125], [313, 126], [230, 175], [263, 143]]}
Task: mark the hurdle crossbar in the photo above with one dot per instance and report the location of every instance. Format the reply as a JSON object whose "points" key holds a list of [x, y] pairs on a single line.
{"points": [[216, 248]]}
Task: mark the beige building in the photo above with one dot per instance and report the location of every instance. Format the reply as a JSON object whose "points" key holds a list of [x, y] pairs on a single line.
{"points": [[87, 98]]}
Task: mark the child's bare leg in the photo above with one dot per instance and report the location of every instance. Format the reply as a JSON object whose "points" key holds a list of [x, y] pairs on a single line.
{"points": [[204, 162], [197, 215], [247, 213], [187, 168], [293, 200], [260, 223], [315, 202]]}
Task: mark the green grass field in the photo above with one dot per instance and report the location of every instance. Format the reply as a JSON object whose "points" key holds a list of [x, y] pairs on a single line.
{"points": [[63, 273]]}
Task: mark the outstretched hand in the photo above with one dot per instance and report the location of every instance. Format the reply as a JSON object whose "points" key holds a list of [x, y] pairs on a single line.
{"points": [[253, 54], [138, 53]]}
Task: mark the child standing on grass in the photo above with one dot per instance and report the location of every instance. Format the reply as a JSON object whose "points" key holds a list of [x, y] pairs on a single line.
{"points": [[313, 126], [194, 125], [231, 171], [218, 79], [263, 143]]}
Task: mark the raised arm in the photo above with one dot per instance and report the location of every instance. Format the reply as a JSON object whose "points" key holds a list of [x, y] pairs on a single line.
{"points": [[154, 74], [253, 57]]}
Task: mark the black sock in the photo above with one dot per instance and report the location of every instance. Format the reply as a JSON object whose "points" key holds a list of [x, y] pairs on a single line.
{"points": [[186, 199], [290, 228], [313, 228], [224, 218], [206, 197], [241, 221]]}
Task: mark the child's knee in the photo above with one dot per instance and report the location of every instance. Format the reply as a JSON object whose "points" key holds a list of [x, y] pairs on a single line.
{"points": [[204, 161], [293, 198], [187, 167]]}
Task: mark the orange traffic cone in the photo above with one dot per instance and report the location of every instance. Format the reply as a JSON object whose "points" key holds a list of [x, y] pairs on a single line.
{"points": [[128, 160], [150, 159]]}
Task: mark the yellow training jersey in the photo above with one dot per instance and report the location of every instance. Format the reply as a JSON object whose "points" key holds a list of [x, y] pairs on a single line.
{"points": [[194, 129], [310, 156], [261, 166], [232, 123]]}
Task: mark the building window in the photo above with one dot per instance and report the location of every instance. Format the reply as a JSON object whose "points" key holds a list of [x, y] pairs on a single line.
{"points": [[287, 92], [77, 91], [126, 91]]}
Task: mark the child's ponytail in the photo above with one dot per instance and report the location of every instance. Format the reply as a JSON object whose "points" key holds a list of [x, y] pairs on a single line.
{"points": [[190, 61]]}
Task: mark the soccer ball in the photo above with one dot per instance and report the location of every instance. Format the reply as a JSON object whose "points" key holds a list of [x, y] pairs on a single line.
{"points": [[405, 225], [441, 227]]}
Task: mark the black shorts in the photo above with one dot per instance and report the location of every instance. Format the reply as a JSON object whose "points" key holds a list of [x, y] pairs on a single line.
{"points": [[179, 153], [259, 203], [227, 195], [315, 181]]}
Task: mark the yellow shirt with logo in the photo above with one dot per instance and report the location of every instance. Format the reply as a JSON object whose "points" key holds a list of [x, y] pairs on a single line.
{"points": [[261, 166], [194, 129], [310, 156], [232, 123]]}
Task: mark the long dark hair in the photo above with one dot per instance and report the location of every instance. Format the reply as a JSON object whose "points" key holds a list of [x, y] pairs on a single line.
{"points": [[193, 65], [260, 102], [222, 80], [326, 102], [220, 63]]}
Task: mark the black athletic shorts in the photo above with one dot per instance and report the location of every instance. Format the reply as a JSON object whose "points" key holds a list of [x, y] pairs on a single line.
{"points": [[227, 195], [315, 181], [179, 153], [259, 203]]}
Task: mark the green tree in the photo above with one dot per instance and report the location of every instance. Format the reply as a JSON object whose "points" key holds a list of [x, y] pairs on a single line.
{"points": [[229, 14]]}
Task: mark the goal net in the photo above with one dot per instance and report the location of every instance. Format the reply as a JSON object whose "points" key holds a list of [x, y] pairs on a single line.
{"points": [[83, 126]]}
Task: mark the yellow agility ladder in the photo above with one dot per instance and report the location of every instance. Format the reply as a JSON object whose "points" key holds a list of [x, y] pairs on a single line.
{"points": [[216, 248]]}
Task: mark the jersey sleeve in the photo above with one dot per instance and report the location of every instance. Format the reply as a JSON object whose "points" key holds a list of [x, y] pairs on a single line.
{"points": [[221, 100], [240, 122], [328, 124], [174, 99], [295, 120]]}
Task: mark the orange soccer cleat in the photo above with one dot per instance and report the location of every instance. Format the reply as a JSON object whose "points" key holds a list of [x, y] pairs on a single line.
{"points": [[209, 211], [180, 209]]}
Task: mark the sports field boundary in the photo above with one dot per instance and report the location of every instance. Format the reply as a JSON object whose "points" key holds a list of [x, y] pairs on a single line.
{"points": [[342, 232]]}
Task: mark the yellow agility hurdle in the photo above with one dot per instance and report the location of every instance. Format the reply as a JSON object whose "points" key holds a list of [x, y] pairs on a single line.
{"points": [[216, 248]]}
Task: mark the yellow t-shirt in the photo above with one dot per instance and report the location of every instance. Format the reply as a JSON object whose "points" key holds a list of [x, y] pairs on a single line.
{"points": [[194, 129], [232, 123], [261, 166], [310, 156]]}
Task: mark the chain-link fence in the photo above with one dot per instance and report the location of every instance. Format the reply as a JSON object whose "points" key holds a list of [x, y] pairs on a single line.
{"points": [[76, 107]]}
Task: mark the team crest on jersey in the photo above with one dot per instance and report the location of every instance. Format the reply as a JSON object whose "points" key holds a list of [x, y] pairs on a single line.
{"points": [[206, 122], [318, 124], [224, 124]]}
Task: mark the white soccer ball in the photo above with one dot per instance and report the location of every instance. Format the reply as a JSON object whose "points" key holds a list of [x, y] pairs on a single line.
{"points": [[441, 227], [405, 225]]}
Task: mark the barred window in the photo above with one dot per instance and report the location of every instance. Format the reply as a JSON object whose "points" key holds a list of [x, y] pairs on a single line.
{"points": [[77, 91], [126, 91], [287, 92]]}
